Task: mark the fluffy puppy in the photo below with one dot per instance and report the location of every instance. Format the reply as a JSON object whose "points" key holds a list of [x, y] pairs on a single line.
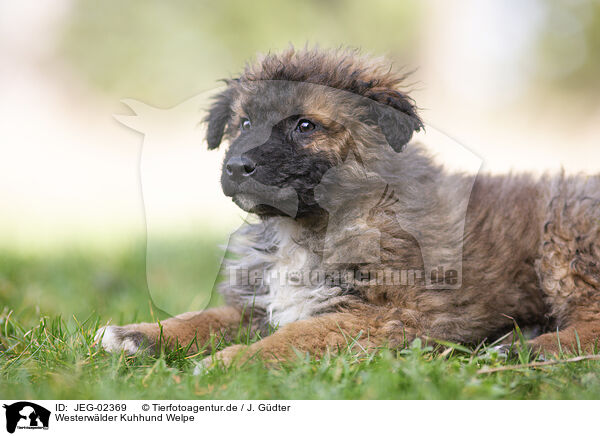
{"points": [[362, 240]]}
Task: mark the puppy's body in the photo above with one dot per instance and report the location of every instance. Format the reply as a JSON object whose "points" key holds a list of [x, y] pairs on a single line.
{"points": [[525, 250]]}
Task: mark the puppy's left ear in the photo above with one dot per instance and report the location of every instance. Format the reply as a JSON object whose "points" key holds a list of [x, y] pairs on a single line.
{"points": [[218, 116], [396, 115]]}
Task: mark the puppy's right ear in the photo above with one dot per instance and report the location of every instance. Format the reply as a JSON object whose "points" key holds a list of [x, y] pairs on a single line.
{"points": [[218, 116], [396, 115]]}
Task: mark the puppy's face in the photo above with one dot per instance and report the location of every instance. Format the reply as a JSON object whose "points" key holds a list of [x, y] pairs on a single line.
{"points": [[282, 142], [285, 135]]}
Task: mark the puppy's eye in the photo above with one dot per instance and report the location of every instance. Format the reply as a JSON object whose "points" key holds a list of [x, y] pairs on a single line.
{"points": [[245, 124], [305, 126]]}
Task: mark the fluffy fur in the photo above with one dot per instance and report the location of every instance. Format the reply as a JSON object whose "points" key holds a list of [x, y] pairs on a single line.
{"points": [[349, 196]]}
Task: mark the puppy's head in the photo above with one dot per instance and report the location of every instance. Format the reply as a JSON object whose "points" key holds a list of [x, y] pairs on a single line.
{"points": [[293, 116]]}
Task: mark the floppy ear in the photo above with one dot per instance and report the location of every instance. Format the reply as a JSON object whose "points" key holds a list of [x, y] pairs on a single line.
{"points": [[218, 116], [396, 115]]}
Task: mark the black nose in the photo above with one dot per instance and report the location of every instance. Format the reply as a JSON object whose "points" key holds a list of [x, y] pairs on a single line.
{"points": [[240, 166]]}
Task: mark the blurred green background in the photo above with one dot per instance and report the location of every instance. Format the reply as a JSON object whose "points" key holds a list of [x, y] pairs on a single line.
{"points": [[163, 52], [517, 81]]}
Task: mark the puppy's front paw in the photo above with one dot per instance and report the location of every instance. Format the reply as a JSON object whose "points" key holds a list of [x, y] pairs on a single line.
{"points": [[232, 354], [114, 339]]}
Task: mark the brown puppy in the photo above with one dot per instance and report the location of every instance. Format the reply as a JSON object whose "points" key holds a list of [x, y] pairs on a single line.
{"points": [[362, 239]]}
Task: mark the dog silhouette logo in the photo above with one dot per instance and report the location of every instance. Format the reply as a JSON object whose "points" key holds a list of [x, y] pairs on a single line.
{"points": [[26, 415]]}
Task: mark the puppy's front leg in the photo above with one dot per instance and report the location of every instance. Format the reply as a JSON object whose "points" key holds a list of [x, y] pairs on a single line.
{"points": [[181, 329], [316, 336]]}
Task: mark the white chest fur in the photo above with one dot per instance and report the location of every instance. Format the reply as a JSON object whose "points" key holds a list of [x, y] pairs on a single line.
{"points": [[292, 286], [295, 291]]}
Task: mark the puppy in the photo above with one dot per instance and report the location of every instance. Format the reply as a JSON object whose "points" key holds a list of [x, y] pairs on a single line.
{"points": [[361, 240]]}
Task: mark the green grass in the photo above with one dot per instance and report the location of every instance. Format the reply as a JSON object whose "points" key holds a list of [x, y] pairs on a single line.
{"points": [[51, 305]]}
